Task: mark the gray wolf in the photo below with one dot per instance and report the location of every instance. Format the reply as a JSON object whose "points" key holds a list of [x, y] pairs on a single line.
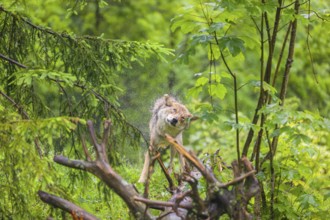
{"points": [[170, 117]]}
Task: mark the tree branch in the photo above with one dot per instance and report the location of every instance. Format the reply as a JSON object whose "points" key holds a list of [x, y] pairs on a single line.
{"points": [[24, 115], [288, 65], [192, 159], [65, 205], [12, 61], [237, 180], [76, 164], [162, 203], [102, 169]]}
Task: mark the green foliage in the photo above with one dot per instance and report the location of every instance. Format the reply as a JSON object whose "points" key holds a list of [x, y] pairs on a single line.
{"points": [[228, 32], [51, 82], [23, 171], [300, 179]]}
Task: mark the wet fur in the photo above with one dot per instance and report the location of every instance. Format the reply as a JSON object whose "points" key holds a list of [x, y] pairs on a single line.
{"points": [[168, 117]]}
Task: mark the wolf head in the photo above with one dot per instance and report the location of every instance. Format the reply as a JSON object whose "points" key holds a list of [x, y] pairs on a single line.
{"points": [[175, 114]]}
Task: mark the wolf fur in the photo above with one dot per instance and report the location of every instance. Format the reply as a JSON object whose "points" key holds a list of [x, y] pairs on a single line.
{"points": [[171, 117]]}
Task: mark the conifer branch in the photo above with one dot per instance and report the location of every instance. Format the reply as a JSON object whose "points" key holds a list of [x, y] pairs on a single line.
{"points": [[24, 115], [12, 61]]}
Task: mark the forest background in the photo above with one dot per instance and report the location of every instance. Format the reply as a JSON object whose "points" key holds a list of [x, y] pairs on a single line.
{"points": [[65, 62]]}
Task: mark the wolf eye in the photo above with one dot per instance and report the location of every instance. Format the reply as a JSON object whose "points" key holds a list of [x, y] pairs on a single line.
{"points": [[174, 110]]}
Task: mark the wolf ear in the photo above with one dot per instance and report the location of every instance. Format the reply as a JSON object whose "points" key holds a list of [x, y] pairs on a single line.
{"points": [[168, 101], [194, 118], [190, 119]]}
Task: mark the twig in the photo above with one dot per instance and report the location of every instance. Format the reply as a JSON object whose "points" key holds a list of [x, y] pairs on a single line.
{"points": [[288, 65], [198, 202], [167, 175], [261, 92], [76, 164], [235, 98], [237, 180], [17, 106], [281, 54], [12, 61], [88, 156], [164, 204], [290, 56], [307, 42], [286, 6], [24, 116], [255, 24]]}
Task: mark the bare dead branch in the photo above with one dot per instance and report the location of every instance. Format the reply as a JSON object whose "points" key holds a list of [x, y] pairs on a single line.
{"points": [[87, 155], [162, 203], [281, 54], [106, 133], [102, 169], [198, 201], [192, 159], [65, 205], [238, 179], [76, 164], [184, 202], [166, 173], [91, 129]]}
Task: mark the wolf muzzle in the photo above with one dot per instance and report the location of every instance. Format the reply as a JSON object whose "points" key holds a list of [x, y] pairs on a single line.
{"points": [[174, 121]]}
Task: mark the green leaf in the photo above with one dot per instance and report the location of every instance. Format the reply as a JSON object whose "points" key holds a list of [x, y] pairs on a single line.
{"points": [[201, 39], [279, 131], [216, 26], [217, 90], [215, 78], [186, 26], [195, 91], [225, 75], [269, 88], [307, 200], [233, 44], [201, 81], [299, 138]]}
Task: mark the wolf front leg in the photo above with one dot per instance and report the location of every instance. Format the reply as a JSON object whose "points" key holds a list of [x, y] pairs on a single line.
{"points": [[145, 170], [151, 157], [173, 153]]}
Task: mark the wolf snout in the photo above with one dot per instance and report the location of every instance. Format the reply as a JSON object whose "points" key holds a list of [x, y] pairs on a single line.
{"points": [[174, 121]]}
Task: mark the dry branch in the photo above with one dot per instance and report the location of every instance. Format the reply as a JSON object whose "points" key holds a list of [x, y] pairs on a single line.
{"points": [[162, 203], [65, 205], [207, 174]]}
